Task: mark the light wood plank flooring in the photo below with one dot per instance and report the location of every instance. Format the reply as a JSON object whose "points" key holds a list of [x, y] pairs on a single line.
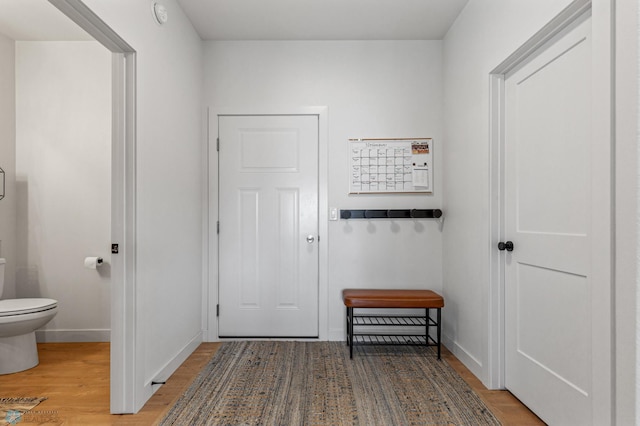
{"points": [[75, 378]]}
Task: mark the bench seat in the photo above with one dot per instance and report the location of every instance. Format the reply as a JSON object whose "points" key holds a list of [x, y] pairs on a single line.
{"points": [[366, 298]]}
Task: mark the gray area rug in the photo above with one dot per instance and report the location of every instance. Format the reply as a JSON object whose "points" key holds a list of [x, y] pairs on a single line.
{"points": [[315, 383]]}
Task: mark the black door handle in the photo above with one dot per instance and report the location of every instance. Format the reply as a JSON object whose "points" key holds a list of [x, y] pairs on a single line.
{"points": [[508, 246]]}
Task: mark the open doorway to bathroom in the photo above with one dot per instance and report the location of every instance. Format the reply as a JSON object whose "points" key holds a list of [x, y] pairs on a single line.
{"points": [[60, 168], [57, 130], [63, 183]]}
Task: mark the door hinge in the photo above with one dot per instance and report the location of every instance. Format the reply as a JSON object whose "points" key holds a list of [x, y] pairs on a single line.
{"points": [[218, 227], [218, 310], [218, 144]]}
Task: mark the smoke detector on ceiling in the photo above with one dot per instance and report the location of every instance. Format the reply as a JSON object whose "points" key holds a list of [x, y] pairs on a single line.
{"points": [[159, 13]]}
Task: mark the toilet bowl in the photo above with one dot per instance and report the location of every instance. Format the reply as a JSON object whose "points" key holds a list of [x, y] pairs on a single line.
{"points": [[19, 320]]}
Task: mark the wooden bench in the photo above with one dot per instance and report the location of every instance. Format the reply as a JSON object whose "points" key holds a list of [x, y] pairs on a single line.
{"points": [[376, 326]]}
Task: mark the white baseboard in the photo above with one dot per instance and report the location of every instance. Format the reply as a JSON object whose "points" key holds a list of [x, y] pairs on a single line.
{"points": [[472, 363], [337, 335], [170, 367], [67, 336]]}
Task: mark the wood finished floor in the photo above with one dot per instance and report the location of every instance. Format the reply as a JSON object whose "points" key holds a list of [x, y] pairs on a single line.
{"points": [[75, 379]]}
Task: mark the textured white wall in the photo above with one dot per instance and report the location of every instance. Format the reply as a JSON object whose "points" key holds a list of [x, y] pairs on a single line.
{"points": [[8, 162], [63, 168], [373, 89]]}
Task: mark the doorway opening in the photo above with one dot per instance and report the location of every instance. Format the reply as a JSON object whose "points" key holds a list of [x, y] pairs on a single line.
{"points": [[124, 388]]}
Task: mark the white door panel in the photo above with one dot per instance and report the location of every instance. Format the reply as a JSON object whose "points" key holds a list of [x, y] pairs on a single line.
{"points": [[548, 306], [268, 171]]}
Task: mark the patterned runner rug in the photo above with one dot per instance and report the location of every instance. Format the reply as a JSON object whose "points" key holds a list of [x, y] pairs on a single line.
{"points": [[12, 410], [315, 383]]}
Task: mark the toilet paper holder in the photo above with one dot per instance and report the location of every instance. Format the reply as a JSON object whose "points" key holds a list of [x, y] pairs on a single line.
{"points": [[92, 262]]}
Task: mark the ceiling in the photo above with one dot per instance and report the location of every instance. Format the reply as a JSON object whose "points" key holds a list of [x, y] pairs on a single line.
{"points": [[322, 19], [263, 19]]}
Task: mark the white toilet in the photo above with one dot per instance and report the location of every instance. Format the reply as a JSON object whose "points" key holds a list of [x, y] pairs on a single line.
{"points": [[19, 320]]}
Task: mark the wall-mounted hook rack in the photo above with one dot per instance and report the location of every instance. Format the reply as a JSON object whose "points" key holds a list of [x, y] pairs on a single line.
{"points": [[391, 214]]}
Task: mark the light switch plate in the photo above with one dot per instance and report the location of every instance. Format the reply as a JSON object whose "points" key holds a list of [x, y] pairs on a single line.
{"points": [[333, 213]]}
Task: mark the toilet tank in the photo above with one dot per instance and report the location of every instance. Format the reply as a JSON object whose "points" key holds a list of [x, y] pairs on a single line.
{"points": [[2, 263]]}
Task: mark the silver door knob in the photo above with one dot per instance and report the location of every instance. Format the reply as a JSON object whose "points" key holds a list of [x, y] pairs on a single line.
{"points": [[310, 238]]}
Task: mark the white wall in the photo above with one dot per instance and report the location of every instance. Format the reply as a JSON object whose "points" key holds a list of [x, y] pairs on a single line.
{"points": [[8, 161], [485, 34], [373, 89], [63, 168], [169, 153]]}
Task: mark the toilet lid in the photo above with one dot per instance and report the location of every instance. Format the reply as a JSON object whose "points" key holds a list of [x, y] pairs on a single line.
{"points": [[25, 306]]}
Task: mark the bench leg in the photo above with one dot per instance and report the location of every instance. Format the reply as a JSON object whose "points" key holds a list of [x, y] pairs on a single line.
{"points": [[427, 314], [350, 331], [438, 329]]}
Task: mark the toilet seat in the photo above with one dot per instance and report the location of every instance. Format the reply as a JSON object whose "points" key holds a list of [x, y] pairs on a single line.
{"points": [[10, 307]]}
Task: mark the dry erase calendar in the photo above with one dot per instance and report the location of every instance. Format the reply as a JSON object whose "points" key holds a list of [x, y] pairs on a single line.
{"points": [[390, 165]]}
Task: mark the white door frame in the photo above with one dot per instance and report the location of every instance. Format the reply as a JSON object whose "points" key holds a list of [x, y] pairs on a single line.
{"points": [[494, 370], [127, 385], [210, 290]]}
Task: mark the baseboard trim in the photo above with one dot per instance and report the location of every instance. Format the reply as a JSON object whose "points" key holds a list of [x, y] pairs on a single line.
{"points": [[469, 361], [70, 336], [337, 335], [170, 367]]}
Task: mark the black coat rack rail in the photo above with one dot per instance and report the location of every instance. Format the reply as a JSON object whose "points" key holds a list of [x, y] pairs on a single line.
{"points": [[391, 214]]}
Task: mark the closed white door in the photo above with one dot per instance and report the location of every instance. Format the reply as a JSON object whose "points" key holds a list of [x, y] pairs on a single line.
{"points": [[268, 231], [548, 274]]}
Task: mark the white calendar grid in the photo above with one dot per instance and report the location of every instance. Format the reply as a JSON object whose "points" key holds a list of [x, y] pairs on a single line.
{"points": [[382, 166], [381, 170]]}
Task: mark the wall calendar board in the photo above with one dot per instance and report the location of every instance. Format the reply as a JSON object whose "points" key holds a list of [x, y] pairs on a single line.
{"points": [[391, 166]]}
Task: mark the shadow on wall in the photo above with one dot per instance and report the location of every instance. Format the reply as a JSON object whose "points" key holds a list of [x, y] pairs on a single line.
{"points": [[27, 278], [395, 228], [104, 271]]}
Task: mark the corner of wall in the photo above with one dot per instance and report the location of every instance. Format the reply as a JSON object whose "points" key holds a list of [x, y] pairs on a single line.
{"points": [[8, 162]]}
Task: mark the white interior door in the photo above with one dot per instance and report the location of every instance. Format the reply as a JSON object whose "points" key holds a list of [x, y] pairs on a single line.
{"points": [[548, 274], [268, 254]]}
